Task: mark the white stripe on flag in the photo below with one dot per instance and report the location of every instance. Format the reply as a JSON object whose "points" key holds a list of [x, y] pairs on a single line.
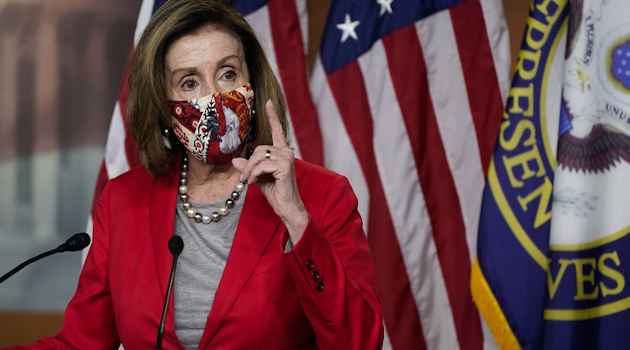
{"points": [[115, 158], [259, 20], [498, 36], [339, 153], [387, 344], [452, 111], [399, 176], [303, 16], [146, 11]]}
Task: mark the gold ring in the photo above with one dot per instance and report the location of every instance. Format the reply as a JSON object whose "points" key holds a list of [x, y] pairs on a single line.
{"points": [[268, 154]]}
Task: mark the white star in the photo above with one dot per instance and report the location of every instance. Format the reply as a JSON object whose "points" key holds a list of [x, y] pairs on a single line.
{"points": [[386, 6], [628, 72], [623, 62], [619, 70], [627, 53], [348, 29], [619, 52]]}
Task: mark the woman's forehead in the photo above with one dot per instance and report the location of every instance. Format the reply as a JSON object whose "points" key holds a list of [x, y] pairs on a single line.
{"points": [[209, 45]]}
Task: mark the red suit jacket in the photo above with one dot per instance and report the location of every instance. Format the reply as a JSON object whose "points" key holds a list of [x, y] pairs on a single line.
{"points": [[267, 299]]}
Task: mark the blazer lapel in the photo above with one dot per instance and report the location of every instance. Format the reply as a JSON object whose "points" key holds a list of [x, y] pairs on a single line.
{"points": [[162, 202], [256, 227]]}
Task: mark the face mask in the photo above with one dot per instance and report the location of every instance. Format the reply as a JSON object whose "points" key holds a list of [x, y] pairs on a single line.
{"points": [[214, 128]]}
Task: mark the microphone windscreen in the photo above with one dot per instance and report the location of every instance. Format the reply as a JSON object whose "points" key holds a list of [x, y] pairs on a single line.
{"points": [[175, 245], [78, 242]]}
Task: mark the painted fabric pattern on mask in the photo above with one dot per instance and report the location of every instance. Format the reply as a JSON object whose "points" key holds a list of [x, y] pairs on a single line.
{"points": [[214, 128]]}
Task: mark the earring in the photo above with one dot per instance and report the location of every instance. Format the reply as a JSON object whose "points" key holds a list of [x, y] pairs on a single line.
{"points": [[166, 138]]}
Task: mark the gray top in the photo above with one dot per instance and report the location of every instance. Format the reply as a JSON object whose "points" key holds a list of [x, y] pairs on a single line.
{"points": [[200, 266]]}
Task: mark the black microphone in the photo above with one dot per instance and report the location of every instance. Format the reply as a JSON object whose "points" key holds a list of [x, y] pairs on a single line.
{"points": [[73, 244], [175, 246]]}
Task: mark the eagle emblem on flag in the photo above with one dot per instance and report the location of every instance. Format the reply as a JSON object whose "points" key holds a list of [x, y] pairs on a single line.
{"points": [[595, 112]]}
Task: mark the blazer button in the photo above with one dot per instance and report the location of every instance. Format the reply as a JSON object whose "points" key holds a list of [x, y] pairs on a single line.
{"points": [[320, 286], [310, 265], [315, 275]]}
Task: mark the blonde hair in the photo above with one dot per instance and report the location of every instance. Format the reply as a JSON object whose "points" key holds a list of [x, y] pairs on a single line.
{"points": [[147, 109]]}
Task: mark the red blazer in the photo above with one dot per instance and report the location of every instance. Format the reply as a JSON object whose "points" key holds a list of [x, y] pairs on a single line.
{"points": [[267, 299]]}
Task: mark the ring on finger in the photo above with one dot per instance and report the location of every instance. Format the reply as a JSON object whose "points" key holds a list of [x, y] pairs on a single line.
{"points": [[268, 155]]}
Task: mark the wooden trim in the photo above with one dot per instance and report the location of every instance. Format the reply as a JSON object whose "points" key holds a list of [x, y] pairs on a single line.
{"points": [[21, 328]]}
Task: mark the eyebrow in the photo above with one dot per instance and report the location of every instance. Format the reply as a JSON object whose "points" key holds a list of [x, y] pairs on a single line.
{"points": [[194, 69]]}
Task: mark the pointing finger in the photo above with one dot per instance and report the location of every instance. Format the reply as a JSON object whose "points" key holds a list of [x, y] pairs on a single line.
{"points": [[279, 140]]}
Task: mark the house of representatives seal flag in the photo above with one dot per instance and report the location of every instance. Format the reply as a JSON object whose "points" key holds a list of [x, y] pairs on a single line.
{"points": [[554, 249]]}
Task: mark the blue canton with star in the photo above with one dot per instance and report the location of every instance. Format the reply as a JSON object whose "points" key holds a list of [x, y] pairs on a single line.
{"points": [[620, 67], [245, 7], [355, 25]]}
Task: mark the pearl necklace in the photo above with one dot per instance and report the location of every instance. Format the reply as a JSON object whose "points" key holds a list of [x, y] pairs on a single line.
{"points": [[191, 212]]}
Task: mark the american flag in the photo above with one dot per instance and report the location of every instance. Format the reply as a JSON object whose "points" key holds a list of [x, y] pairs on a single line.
{"points": [[405, 100], [410, 96]]}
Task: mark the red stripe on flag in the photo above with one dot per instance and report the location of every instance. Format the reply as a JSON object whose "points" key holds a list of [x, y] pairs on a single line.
{"points": [[399, 307], [130, 144], [482, 85], [287, 38], [411, 85]]}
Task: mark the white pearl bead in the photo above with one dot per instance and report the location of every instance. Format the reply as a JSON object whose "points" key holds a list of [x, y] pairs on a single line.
{"points": [[183, 189], [223, 211], [191, 212], [240, 187], [205, 219]]}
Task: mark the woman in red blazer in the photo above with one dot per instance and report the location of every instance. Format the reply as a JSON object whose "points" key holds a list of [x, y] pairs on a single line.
{"points": [[299, 273]]}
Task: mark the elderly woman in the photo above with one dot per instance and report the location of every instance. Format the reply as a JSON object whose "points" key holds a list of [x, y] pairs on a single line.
{"points": [[274, 257]]}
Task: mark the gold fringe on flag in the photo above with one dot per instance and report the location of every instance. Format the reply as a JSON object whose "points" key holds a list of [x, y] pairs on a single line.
{"points": [[491, 311]]}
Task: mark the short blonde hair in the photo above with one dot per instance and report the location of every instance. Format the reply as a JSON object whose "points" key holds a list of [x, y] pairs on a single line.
{"points": [[147, 109]]}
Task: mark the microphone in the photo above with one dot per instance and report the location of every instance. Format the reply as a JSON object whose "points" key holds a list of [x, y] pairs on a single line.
{"points": [[75, 243], [175, 246]]}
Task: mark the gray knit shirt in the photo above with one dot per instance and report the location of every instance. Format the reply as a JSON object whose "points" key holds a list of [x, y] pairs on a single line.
{"points": [[200, 266]]}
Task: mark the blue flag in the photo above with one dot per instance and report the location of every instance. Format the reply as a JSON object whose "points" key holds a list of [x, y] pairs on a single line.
{"points": [[554, 249]]}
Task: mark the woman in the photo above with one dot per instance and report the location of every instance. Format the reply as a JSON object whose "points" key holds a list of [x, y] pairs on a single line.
{"points": [[209, 121]]}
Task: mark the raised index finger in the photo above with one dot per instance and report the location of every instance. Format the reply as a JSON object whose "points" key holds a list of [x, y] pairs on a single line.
{"points": [[279, 140]]}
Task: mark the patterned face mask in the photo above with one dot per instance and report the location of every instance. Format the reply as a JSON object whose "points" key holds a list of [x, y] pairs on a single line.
{"points": [[214, 128]]}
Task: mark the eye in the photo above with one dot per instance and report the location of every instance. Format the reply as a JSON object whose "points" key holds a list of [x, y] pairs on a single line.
{"points": [[229, 75], [189, 84]]}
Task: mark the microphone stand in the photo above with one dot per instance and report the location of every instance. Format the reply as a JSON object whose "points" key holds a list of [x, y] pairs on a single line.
{"points": [[26, 263], [175, 246], [74, 243]]}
